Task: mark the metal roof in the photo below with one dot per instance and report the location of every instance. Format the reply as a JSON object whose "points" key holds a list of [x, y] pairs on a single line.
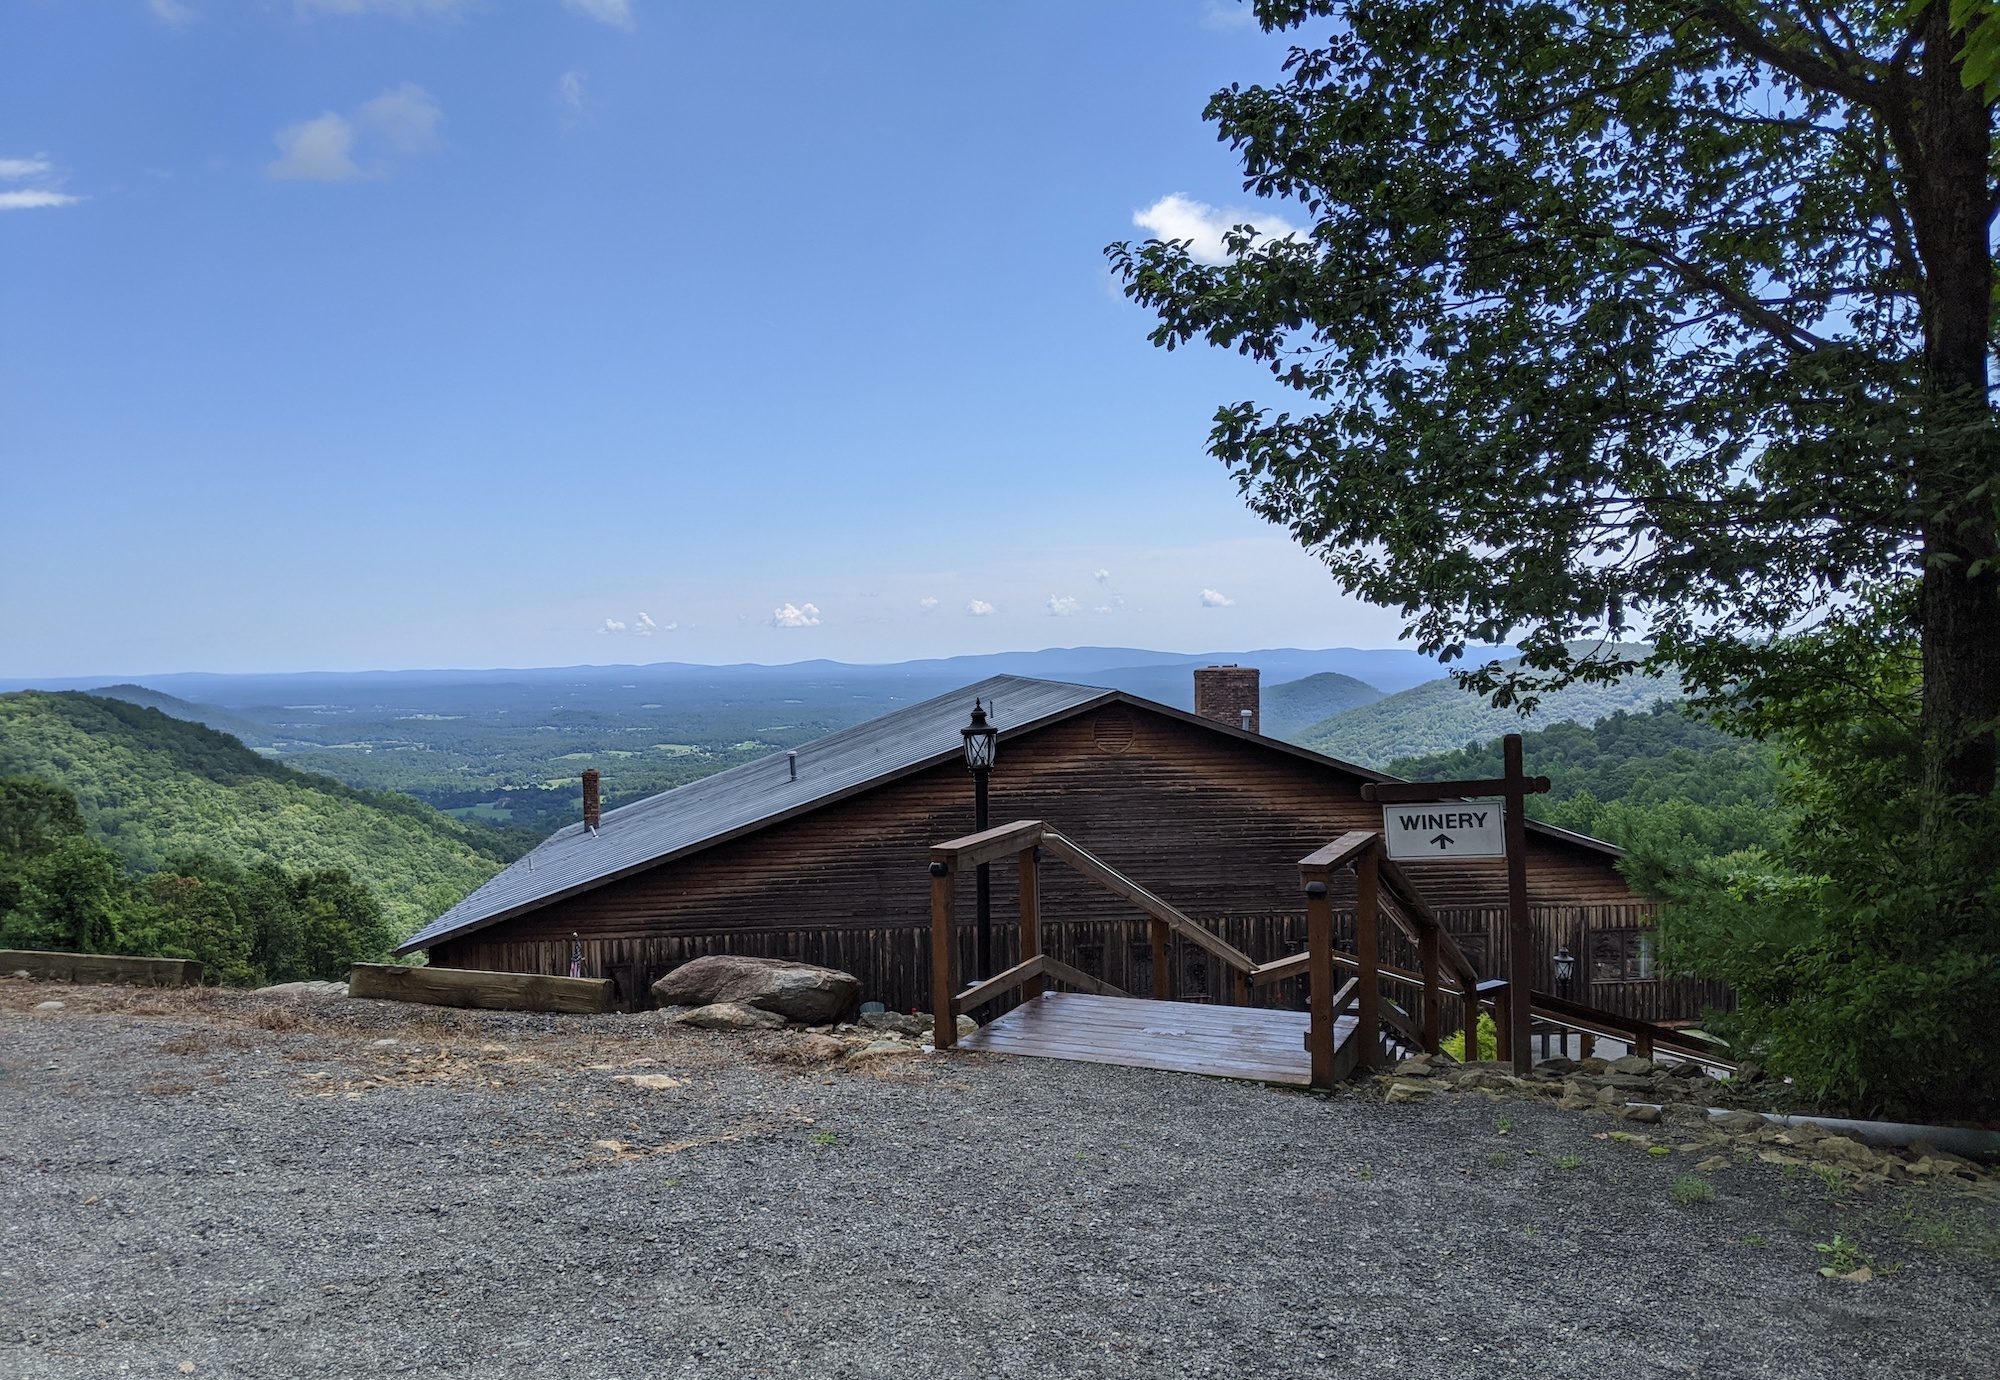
{"points": [[755, 794], [761, 793]]}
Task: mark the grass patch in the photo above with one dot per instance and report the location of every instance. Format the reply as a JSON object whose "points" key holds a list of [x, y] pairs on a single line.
{"points": [[1569, 1162], [1496, 1158], [1660, 1150], [823, 1139], [1689, 1189], [1843, 1257]]}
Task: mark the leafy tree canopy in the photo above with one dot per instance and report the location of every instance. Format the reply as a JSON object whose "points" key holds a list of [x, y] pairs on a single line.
{"points": [[1659, 314]]}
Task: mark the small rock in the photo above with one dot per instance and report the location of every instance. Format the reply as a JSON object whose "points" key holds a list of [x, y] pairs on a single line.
{"points": [[1845, 1150], [812, 1049], [1418, 1067], [654, 1082], [1593, 1065], [1689, 1070], [1641, 1113], [729, 1015], [1635, 1065], [48, 1006], [916, 1027], [1714, 1164], [966, 1025], [884, 1049], [1741, 1123], [23, 973], [1557, 1067], [384, 1043], [1402, 1090], [1749, 1072]]}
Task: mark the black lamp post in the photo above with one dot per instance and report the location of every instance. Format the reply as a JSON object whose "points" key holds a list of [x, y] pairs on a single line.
{"points": [[1565, 963], [982, 741]]}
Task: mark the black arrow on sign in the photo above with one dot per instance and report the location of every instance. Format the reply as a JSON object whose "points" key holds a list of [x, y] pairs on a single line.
{"points": [[1442, 840]]}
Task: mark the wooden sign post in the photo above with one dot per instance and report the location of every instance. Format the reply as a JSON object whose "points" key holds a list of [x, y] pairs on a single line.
{"points": [[1513, 787]]}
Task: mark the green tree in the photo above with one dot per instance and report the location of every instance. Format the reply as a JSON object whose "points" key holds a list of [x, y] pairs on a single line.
{"points": [[69, 896], [340, 922], [1625, 313], [1862, 968]]}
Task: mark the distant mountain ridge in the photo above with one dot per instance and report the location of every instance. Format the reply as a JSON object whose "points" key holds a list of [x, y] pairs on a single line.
{"points": [[152, 786], [1441, 717], [1296, 704], [1388, 668]]}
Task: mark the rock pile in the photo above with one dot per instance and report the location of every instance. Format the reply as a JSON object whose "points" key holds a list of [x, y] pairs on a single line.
{"points": [[1676, 1099]]}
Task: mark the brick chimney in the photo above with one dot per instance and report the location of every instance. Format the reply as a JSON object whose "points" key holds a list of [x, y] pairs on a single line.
{"points": [[592, 807], [1228, 695]]}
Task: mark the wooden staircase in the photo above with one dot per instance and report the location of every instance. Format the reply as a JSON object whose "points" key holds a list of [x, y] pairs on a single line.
{"points": [[1349, 1026]]}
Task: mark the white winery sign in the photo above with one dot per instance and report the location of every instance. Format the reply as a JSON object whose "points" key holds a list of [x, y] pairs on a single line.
{"points": [[1445, 829]]}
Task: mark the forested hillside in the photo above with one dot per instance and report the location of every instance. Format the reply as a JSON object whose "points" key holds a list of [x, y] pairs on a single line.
{"points": [[155, 788], [1670, 786], [1438, 716], [1295, 704]]}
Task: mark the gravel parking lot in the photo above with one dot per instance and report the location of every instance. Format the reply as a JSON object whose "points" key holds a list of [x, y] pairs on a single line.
{"points": [[219, 1184]]}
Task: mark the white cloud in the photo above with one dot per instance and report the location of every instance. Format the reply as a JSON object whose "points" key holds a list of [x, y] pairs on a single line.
{"points": [[1102, 608], [35, 168], [405, 117], [316, 150], [1215, 599], [979, 608], [1061, 606], [646, 627], [611, 625], [795, 616], [1101, 576], [1179, 217], [929, 601], [573, 99], [616, 13], [172, 13], [402, 122], [1224, 15], [35, 200]]}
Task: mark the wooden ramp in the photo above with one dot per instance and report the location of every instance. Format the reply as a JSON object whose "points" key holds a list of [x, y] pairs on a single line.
{"points": [[1180, 1037]]}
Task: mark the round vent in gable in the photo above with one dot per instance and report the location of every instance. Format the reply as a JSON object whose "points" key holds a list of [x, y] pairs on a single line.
{"points": [[1114, 730]]}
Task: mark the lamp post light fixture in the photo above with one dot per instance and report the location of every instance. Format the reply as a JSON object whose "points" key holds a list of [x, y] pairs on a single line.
{"points": [[982, 742], [1565, 964]]}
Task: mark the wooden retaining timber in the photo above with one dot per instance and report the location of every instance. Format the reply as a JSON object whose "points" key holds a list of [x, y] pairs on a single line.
{"points": [[54, 966], [471, 987]]}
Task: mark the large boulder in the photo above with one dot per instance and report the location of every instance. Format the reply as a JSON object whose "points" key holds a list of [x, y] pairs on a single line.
{"points": [[797, 991]]}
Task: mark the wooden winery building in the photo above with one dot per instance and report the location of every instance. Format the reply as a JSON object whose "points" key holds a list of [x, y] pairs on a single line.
{"points": [[820, 854]]}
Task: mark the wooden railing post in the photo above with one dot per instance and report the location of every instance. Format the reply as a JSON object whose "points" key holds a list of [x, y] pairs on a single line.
{"points": [[1163, 974], [1368, 949], [1031, 920], [1427, 960], [1471, 1021], [1503, 1021], [944, 944], [1319, 981]]}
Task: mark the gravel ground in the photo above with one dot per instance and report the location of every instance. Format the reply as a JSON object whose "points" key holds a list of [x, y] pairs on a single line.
{"points": [[218, 1184]]}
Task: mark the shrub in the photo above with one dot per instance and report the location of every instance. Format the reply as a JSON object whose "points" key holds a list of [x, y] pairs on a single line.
{"points": [[1489, 1040]]}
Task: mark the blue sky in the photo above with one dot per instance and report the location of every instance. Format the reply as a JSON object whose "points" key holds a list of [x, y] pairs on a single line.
{"points": [[383, 333]]}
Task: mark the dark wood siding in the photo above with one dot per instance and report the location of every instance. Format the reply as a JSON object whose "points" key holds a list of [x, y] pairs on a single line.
{"points": [[1214, 823]]}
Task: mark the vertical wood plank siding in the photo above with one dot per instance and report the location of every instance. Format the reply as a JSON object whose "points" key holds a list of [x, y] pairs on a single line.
{"points": [[1211, 822]]}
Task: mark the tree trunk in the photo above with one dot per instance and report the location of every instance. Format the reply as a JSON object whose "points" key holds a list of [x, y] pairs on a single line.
{"points": [[1960, 617]]}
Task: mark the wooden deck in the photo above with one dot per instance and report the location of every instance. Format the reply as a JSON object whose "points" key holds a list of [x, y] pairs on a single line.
{"points": [[1180, 1037]]}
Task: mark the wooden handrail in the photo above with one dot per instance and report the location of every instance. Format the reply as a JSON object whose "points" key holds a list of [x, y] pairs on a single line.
{"points": [[1644, 1036], [1321, 865], [989, 845], [1111, 879], [998, 985]]}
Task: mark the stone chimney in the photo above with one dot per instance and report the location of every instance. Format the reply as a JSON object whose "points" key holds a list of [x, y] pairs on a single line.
{"points": [[592, 808], [1228, 695]]}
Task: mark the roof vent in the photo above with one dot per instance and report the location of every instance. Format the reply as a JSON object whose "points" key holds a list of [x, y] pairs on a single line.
{"points": [[593, 808], [792, 761]]}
